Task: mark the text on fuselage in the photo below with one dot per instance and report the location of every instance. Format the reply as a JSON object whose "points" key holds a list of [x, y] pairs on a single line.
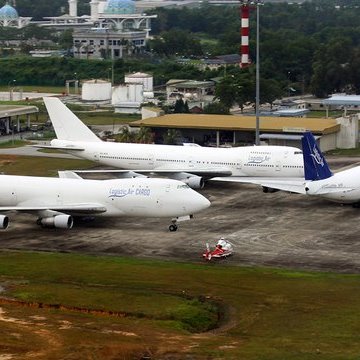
{"points": [[122, 192]]}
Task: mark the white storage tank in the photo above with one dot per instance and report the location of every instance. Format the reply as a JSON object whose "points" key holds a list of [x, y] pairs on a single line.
{"points": [[96, 90], [128, 93], [140, 78]]}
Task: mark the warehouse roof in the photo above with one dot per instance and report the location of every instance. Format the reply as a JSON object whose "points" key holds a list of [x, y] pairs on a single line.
{"points": [[343, 100], [186, 84], [291, 112], [240, 123], [284, 137]]}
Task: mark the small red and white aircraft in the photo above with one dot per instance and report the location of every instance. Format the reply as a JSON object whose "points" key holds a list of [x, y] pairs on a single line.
{"points": [[222, 249]]}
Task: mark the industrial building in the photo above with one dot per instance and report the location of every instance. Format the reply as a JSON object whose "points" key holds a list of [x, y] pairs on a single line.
{"points": [[230, 130], [196, 93]]}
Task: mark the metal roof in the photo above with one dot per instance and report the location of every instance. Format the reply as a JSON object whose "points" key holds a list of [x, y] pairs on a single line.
{"points": [[342, 100], [291, 112], [189, 83], [283, 136], [240, 123], [16, 110]]}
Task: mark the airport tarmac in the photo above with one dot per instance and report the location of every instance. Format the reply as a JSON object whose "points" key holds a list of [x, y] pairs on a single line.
{"points": [[278, 230]]}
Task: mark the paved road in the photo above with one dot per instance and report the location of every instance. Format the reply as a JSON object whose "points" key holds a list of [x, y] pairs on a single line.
{"points": [[32, 151]]}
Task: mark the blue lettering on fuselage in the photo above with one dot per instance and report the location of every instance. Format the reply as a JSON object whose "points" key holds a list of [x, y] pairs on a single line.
{"points": [[125, 192], [258, 159], [142, 192]]}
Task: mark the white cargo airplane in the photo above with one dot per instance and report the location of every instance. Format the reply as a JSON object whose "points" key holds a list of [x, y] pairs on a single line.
{"points": [[342, 187], [56, 200], [190, 164]]}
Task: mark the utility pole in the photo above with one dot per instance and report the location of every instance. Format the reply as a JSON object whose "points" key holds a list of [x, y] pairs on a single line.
{"points": [[257, 100], [245, 7]]}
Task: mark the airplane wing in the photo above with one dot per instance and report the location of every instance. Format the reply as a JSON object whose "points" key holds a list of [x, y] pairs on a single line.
{"points": [[208, 173], [87, 209], [295, 185], [165, 172], [64, 148]]}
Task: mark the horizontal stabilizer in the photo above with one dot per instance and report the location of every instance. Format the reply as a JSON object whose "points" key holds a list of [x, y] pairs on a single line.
{"points": [[65, 148]]}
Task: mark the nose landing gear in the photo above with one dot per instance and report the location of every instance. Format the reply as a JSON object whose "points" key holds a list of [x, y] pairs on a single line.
{"points": [[173, 226]]}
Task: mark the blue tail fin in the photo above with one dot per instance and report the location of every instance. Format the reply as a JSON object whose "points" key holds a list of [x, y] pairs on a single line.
{"points": [[315, 165]]}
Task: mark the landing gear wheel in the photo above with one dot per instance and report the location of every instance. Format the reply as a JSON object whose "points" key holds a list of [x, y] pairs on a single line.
{"points": [[173, 227]]}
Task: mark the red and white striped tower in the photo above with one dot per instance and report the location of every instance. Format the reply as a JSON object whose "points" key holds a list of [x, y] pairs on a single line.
{"points": [[244, 15]]}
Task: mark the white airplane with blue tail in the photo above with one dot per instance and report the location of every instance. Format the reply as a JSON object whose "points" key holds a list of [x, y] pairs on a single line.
{"points": [[342, 187]]}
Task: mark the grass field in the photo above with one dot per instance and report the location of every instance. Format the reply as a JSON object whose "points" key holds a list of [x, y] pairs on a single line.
{"points": [[39, 89], [106, 118], [345, 152], [39, 166], [13, 144], [89, 114], [122, 308]]}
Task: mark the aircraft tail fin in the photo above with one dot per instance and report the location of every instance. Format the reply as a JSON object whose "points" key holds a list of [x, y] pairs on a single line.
{"points": [[66, 124], [315, 165]]}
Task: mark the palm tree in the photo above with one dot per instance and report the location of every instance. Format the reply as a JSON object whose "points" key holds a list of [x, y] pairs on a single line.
{"points": [[126, 135], [171, 136], [144, 136]]}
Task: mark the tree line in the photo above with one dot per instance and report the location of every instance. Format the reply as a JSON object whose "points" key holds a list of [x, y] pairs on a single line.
{"points": [[313, 46], [310, 47]]}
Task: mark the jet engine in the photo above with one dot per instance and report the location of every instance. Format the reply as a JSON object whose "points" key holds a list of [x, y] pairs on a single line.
{"points": [[4, 221], [58, 221], [195, 182]]}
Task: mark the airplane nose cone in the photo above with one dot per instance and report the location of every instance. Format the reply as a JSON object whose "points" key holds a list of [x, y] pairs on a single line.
{"points": [[200, 203]]}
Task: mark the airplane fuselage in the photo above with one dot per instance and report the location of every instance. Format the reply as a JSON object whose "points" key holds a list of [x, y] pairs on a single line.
{"points": [[240, 161], [119, 197], [342, 187]]}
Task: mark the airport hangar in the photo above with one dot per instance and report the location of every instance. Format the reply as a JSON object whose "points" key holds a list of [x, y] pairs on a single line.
{"points": [[230, 130]]}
